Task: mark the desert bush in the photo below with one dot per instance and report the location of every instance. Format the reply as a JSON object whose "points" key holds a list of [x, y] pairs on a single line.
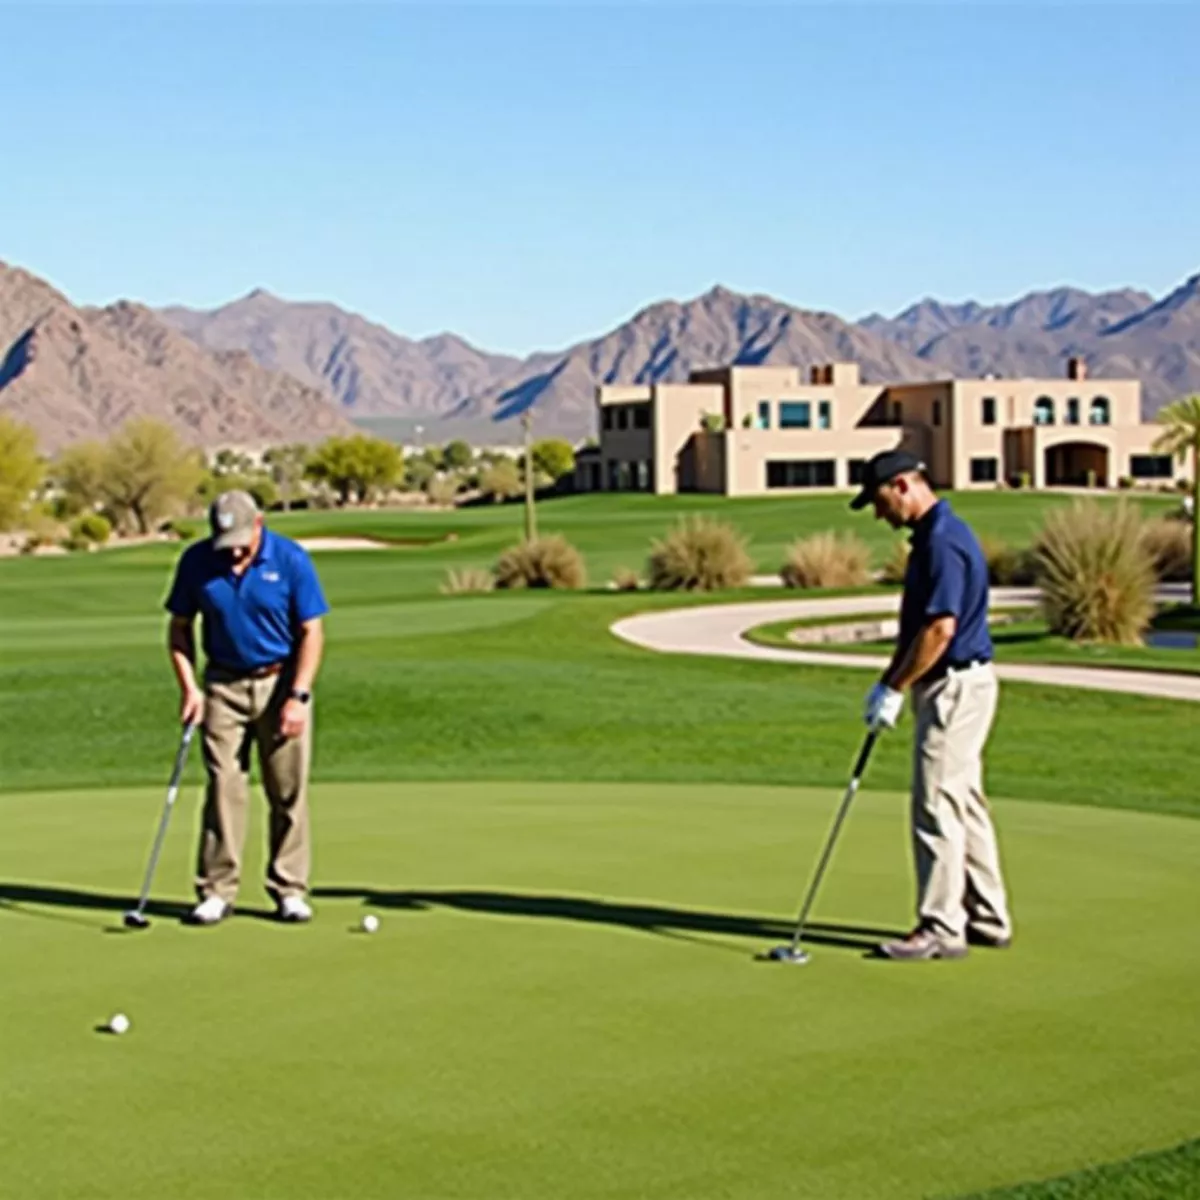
{"points": [[827, 560], [460, 581], [1007, 565], [1095, 572], [700, 555], [441, 490], [1169, 544], [625, 580], [896, 564], [545, 562], [501, 481], [91, 527]]}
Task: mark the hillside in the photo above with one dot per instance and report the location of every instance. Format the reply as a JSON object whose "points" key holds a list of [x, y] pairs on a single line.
{"points": [[75, 373]]}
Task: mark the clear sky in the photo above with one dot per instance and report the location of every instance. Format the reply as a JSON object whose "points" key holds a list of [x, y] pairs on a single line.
{"points": [[528, 176]]}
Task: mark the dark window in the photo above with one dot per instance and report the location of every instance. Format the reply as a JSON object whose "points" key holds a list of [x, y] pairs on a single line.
{"points": [[607, 420], [937, 412], [1073, 411], [857, 466], [1043, 411], [989, 410], [1151, 466], [984, 470], [795, 414], [801, 473], [764, 414], [1099, 412], [641, 416], [897, 413], [824, 415], [622, 417]]}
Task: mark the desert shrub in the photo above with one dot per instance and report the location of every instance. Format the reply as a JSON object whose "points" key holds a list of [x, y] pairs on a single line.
{"points": [[1169, 544], [466, 579], [700, 555], [625, 580], [895, 565], [441, 490], [501, 481], [1096, 575], [91, 527], [545, 562], [1007, 565], [827, 560]]}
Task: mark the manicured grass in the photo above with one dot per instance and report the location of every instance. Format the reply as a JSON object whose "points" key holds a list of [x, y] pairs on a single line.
{"points": [[562, 1000], [1026, 640]]}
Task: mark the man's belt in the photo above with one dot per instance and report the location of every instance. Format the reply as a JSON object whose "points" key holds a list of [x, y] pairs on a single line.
{"points": [[960, 664], [249, 672]]}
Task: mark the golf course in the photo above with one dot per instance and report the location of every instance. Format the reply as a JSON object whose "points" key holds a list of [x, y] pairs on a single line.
{"points": [[577, 847]]}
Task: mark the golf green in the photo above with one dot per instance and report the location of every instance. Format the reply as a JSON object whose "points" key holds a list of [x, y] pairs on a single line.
{"points": [[562, 1000]]}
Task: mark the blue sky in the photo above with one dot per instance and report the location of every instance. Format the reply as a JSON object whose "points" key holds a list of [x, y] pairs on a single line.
{"points": [[529, 176]]}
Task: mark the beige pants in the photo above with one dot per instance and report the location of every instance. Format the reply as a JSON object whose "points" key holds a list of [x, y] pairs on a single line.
{"points": [[959, 882], [239, 715]]}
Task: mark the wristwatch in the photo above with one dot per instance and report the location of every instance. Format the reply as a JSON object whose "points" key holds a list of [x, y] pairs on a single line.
{"points": [[297, 694]]}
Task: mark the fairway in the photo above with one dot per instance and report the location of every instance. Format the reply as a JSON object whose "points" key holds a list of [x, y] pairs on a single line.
{"points": [[562, 1000]]}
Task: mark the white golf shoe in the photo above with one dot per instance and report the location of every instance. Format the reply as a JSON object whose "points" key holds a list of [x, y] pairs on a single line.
{"points": [[294, 908], [209, 911]]}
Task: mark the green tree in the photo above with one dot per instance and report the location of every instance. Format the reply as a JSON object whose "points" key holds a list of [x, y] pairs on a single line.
{"points": [[553, 458], [356, 467], [21, 470], [417, 474], [457, 455], [148, 472], [287, 465], [1181, 438], [79, 474]]}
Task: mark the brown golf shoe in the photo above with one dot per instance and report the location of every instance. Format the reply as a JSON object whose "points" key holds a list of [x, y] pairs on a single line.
{"points": [[923, 944]]}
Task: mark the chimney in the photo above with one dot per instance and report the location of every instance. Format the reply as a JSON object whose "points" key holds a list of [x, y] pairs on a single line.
{"points": [[814, 375], [1076, 367]]}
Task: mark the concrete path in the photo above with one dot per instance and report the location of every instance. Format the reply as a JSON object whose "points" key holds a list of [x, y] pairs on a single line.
{"points": [[719, 629]]}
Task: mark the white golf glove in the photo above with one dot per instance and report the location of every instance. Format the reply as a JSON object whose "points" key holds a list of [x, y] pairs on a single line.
{"points": [[882, 709]]}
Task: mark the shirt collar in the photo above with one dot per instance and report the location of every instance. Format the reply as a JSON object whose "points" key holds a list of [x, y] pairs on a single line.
{"points": [[266, 548], [925, 525]]}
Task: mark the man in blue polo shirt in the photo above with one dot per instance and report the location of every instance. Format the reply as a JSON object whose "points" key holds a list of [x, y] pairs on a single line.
{"points": [[944, 654], [260, 605]]}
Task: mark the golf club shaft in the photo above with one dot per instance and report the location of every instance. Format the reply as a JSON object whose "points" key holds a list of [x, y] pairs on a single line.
{"points": [[172, 791], [859, 767]]}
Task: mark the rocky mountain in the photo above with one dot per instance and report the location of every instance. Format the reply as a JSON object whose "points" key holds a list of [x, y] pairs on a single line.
{"points": [[367, 368], [75, 373], [453, 387]]}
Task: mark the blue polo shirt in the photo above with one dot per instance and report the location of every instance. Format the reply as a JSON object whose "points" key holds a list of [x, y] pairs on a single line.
{"points": [[947, 575], [250, 620]]}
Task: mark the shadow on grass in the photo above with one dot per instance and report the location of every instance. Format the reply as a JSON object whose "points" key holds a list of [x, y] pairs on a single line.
{"points": [[647, 918], [14, 897]]}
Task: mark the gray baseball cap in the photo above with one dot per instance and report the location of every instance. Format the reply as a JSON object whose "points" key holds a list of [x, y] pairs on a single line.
{"points": [[231, 517]]}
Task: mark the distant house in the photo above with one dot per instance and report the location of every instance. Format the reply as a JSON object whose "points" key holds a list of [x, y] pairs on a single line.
{"points": [[746, 431]]}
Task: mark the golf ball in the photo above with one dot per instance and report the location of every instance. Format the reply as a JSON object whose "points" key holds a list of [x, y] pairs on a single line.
{"points": [[370, 923], [119, 1023]]}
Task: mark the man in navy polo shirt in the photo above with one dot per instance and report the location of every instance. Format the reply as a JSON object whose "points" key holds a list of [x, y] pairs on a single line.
{"points": [[260, 605], [944, 654]]}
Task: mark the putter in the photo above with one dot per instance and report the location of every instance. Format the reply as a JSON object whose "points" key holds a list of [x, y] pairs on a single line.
{"points": [[791, 952], [136, 918]]}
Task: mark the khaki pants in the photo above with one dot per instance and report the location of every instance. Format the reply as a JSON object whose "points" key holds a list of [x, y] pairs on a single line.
{"points": [[240, 714], [959, 881]]}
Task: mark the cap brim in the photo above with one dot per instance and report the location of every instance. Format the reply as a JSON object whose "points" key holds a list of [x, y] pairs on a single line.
{"points": [[862, 499], [233, 539]]}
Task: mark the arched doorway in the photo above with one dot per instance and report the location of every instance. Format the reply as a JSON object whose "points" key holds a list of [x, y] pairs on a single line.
{"points": [[1076, 464]]}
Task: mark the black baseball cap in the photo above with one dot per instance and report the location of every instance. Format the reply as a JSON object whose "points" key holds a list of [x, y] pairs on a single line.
{"points": [[883, 467]]}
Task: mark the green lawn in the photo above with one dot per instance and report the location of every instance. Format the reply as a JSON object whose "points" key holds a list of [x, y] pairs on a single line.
{"points": [[600, 838]]}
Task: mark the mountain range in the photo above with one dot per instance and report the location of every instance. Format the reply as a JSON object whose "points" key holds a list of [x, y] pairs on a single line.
{"points": [[264, 368]]}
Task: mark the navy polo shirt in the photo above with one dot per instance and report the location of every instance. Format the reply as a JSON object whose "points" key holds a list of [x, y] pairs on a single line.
{"points": [[947, 576], [251, 620]]}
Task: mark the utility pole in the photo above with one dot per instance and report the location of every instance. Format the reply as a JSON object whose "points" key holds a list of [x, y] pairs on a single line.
{"points": [[530, 517]]}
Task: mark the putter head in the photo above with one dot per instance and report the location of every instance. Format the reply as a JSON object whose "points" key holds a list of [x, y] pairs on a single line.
{"points": [[788, 954], [136, 920]]}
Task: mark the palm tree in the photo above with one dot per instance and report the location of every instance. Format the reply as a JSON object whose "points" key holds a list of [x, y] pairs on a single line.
{"points": [[1180, 438]]}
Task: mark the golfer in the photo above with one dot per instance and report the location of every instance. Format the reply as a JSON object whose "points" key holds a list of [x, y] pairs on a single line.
{"points": [[944, 654], [260, 605]]}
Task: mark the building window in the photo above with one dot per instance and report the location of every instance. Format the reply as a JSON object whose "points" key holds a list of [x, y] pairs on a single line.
{"points": [[622, 417], [641, 416], [1099, 412], [857, 468], [606, 419], [824, 415], [1073, 411], [897, 413], [614, 476], [641, 475], [988, 414], [1043, 411], [764, 414], [795, 414], [937, 412], [1151, 466], [984, 470], [801, 473]]}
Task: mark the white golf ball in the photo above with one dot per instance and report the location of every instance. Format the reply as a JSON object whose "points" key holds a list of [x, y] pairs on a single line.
{"points": [[119, 1023], [370, 923]]}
